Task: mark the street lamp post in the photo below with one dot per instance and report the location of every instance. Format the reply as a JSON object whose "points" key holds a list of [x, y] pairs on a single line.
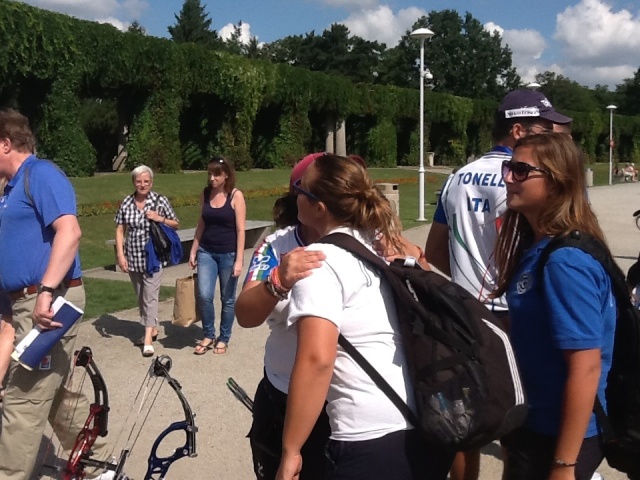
{"points": [[422, 34], [611, 108]]}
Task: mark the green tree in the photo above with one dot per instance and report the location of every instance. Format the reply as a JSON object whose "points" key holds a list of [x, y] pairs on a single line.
{"points": [[234, 43], [399, 65], [629, 95], [254, 49], [334, 52], [566, 94], [135, 27], [465, 59], [286, 50], [193, 25], [603, 96]]}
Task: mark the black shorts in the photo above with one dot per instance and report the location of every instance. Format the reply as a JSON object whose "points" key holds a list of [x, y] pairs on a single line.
{"points": [[399, 455], [269, 406]]}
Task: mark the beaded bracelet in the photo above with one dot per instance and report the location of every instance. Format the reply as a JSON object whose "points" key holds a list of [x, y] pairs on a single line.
{"points": [[277, 284], [268, 283]]}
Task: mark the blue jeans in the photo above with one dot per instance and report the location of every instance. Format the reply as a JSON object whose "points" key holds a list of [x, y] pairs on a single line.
{"points": [[210, 267]]}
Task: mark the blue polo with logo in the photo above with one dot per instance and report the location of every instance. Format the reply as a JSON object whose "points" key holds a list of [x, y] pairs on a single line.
{"points": [[571, 307], [26, 234]]}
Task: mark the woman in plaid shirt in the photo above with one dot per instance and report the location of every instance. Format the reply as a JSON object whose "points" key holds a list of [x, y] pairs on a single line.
{"points": [[132, 235]]}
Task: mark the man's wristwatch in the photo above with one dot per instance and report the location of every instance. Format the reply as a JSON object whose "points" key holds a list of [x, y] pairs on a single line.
{"points": [[44, 288]]}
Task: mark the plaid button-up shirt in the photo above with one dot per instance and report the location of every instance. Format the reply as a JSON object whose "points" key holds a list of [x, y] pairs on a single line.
{"points": [[137, 227]]}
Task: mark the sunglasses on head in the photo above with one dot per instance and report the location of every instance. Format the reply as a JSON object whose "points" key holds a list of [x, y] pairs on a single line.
{"points": [[299, 190], [519, 170]]}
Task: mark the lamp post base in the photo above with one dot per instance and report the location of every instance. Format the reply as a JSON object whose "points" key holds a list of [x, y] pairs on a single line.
{"points": [[421, 172]]}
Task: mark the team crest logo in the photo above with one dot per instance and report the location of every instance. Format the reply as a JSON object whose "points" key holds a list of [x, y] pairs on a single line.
{"points": [[524, 283]]}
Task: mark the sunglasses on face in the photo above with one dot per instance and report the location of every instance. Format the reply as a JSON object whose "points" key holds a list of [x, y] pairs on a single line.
{"points": [[536, 129], [519, 170], [299, 190]]}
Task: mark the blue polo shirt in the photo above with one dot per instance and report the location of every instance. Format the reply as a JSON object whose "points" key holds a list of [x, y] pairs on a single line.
{"points": [[26, 234], [573, 309]]}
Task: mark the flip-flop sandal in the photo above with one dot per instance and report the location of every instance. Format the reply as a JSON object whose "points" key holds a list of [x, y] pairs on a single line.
{"points": [[220, 348], [202, 349]]}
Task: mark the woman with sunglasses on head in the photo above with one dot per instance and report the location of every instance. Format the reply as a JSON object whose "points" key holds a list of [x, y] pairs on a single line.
{"points": [[562, 318], [217, 251], [278, 263], [370, 438]]}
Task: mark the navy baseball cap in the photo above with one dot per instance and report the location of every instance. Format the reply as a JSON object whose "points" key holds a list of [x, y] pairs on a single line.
{"points": [[530, 104]]}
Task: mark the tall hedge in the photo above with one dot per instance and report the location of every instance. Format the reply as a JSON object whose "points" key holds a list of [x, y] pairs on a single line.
{"points": [[252, 111]]}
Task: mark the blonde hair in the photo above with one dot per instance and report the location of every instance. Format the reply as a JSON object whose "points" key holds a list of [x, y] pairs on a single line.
{"points": [[350, 195], [565, 209]]}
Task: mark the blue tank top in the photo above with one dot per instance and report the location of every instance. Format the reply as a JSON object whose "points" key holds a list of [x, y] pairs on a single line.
{"points": [[219, 235]]}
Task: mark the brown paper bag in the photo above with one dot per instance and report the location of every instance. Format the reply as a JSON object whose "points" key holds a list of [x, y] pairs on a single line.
{"points": [[185, 311]]}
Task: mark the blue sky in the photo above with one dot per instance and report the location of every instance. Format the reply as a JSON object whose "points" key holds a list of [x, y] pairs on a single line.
{"points": [[590, 41]]}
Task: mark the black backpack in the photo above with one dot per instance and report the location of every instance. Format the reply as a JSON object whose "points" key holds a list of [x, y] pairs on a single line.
{"points": [[620, 428], [464, 374]]}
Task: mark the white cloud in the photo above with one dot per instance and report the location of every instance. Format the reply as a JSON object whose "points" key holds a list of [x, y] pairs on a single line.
{"points": [[494, 28], [134, 7], [245, 35], [527, 47], [599, 45], [114, 11], [382, 24], [592, 75]]}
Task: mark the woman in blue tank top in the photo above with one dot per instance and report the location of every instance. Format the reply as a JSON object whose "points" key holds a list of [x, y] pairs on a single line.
{"points": [[217, 250]]}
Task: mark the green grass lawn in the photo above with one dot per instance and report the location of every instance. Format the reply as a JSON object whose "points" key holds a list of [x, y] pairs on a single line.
{"points": [[109, 296], [600, 173], [104, 296], [113, 188]]}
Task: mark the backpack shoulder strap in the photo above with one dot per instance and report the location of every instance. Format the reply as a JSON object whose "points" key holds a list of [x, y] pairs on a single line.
{"points": [[599, 252], [350, 244], [378, 379], [27, 180]]}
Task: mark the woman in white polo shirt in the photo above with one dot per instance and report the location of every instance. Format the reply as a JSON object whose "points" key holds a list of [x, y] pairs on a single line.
{"points": [[370, 438]]}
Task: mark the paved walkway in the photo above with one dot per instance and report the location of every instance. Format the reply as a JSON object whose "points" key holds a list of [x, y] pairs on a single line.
{"points": [[223, 422]]}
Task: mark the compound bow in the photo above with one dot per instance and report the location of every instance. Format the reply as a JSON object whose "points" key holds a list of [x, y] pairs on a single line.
{"points": [[160, 465], [97, 425]]}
